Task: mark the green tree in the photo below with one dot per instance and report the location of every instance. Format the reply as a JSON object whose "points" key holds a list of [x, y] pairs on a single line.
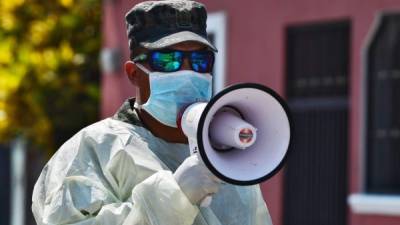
{"points": [[48, 68]]}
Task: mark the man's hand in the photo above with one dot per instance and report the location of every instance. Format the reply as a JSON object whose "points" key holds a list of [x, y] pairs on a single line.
{"points": [[195, 180]]}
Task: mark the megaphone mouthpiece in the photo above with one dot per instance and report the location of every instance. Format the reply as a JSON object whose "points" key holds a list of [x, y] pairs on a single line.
{"points": [[229, 130]]}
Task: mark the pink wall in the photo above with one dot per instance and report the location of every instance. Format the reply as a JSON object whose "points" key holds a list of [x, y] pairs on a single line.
{"points": [[256, 53], [115, 86]]}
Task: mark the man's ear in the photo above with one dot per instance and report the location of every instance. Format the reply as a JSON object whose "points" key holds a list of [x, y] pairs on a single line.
{"points": [[131, 72]]}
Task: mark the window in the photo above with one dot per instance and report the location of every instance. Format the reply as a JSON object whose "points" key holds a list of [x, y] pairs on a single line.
{"points": [[382, 142]]}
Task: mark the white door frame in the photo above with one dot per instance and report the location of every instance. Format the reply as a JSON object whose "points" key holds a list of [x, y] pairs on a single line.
{"points": [[216, 25]]}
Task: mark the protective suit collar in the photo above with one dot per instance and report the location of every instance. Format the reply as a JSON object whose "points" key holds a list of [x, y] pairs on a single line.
{"points": [[126, 113]]}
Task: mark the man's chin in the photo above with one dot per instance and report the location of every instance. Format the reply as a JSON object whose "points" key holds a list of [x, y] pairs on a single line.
{"points": [[160, 130]]}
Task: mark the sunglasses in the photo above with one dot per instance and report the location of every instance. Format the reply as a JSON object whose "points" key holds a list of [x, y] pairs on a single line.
{"points": [[201, 61]]}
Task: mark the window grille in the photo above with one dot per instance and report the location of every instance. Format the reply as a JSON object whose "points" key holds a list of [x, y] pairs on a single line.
{"points": [[317, 83]]}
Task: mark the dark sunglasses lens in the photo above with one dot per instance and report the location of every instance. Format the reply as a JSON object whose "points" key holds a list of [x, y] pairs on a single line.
{"points": [[202, 62], [166, 61]]}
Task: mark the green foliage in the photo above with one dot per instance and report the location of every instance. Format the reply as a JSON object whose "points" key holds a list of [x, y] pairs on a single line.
{"points": [[48, 68]]}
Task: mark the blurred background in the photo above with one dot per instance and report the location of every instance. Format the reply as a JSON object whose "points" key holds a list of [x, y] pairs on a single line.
{"points": [[337, 63], [49, 89]]}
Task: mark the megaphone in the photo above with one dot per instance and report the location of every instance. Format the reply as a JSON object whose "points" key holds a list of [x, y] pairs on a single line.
{"points": [[242, 134]]}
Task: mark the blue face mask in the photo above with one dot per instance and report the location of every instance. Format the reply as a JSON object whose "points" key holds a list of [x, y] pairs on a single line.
{"points": [[171, 92]]}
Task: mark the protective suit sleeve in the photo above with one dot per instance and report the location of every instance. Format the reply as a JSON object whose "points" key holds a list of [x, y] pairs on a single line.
{"points": [[158, 200], [94, 179], [73, 188]]}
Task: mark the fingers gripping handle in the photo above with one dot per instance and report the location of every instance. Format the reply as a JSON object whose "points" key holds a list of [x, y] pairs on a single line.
{"points": [[206, 202]]}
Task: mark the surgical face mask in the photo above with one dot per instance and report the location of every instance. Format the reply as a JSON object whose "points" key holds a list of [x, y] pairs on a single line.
{"points": [[171, 92]]}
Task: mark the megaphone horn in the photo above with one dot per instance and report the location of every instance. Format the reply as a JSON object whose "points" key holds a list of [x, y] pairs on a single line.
{"points": [[242, 134]]}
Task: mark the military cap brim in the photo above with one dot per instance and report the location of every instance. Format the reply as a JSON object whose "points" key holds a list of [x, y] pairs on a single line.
{"points": [[176, 38]]}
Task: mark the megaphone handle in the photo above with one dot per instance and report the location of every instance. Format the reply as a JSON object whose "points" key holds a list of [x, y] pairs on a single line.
{"points": [[193, 147], [206, 201], [194, 150]]}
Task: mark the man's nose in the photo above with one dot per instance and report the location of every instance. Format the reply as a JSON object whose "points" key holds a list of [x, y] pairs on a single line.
{"points": [[186, 64]]}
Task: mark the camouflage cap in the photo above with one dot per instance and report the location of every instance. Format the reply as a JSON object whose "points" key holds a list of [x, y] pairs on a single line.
{"points": [[159, 24]]}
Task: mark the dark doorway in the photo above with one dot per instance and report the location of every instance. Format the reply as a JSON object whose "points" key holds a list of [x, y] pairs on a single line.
{"points": [[317, 89], [5, 184]]}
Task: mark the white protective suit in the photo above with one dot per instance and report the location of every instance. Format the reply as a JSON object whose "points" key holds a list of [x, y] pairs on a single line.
{"points": [[115, 172]]}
